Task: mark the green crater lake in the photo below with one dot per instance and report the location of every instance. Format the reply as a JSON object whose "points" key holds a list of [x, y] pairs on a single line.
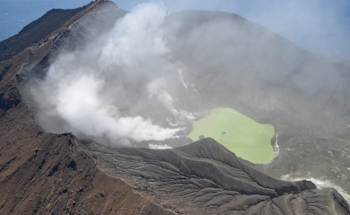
{"points": [[238, 133]]}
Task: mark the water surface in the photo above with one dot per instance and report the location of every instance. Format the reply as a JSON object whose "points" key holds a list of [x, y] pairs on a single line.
{"points": [[238, 133]]}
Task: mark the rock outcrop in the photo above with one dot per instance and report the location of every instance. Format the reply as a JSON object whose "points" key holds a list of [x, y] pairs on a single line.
{"points": [[45, 173]]}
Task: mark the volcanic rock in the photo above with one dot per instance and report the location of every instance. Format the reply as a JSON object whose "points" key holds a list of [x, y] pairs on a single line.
{"points": [[46, 173]]}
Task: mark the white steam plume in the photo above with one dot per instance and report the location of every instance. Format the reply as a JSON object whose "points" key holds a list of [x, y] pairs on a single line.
{"points": [[88, 89], [159, 146], [320, 184]]}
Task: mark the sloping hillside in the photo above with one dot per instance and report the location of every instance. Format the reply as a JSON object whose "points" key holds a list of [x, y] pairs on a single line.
{"points": [[35, 31], [42, 173], [45, 173]]}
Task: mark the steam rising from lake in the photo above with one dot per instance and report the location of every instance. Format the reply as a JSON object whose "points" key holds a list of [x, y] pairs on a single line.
{"points": [[141, 79], [91, 90]]}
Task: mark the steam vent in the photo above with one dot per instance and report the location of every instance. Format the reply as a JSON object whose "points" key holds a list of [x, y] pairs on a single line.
{"points": [[146, 111]]}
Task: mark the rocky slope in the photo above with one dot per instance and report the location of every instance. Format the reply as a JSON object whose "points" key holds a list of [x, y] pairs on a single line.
{"points": [[42, 173], [45, 173], [268, 78], [205, 178]]}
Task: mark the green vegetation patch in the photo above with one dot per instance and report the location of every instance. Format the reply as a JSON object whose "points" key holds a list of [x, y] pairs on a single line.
{"points": [[238, 133]]}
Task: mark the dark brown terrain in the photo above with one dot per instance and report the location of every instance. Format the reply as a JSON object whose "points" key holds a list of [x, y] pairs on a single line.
{"points": [[46, 173], [42, 173]]}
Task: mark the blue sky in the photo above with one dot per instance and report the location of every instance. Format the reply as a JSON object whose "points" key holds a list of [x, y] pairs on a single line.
{"points": [[321, 26]]}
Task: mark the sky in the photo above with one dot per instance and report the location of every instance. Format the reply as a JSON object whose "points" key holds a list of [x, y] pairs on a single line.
{"points": [[320, 26]]}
